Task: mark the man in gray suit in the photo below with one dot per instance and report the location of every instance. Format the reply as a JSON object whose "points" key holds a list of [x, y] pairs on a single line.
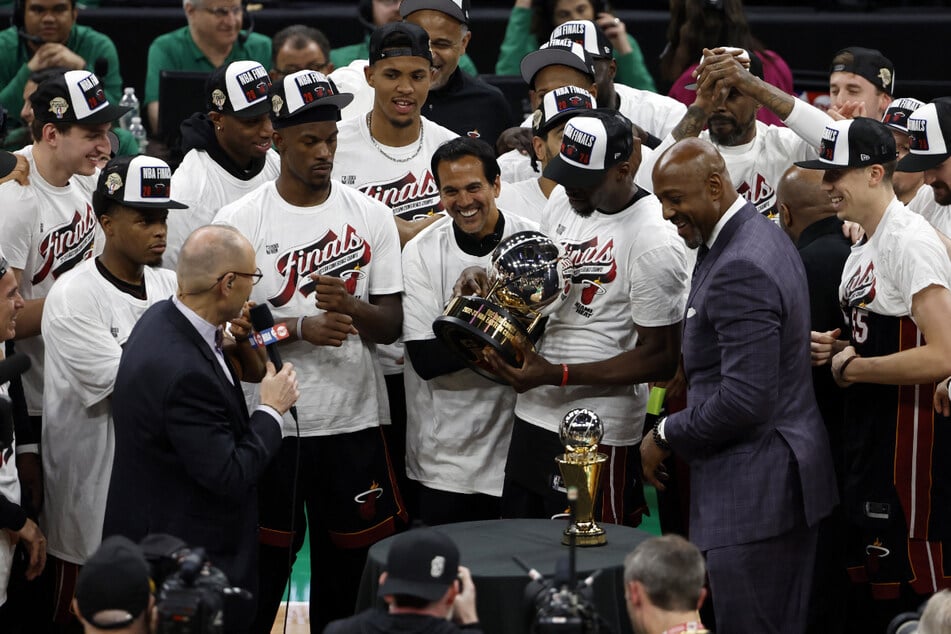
{"points": [[761, 473]]}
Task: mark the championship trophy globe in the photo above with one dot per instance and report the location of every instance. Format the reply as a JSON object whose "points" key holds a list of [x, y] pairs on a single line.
{"points": [[527, 281], [580, 466]]}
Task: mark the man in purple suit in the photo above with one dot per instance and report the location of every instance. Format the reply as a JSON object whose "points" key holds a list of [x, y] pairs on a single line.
{"points": [[761, 473]]}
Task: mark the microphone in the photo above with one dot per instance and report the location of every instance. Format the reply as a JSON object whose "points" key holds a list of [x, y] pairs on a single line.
{"points": [[262, 320], [14, 366], [32, 39]]}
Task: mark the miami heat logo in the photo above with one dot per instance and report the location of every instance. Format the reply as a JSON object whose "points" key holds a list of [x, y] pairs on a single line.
{"points": [[860, 289], [593, 265], [367, 501], [409, 197], [344, 256], [63, 248]]}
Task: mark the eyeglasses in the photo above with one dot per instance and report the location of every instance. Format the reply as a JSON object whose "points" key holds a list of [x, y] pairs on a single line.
{"points": [[256, 276], [223, 12]]}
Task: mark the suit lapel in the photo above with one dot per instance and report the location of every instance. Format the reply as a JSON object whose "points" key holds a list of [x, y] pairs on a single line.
{"points": [[723, 239]]}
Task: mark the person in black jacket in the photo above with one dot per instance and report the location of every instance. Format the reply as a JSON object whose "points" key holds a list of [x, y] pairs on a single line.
{"points": [[424, 587]]}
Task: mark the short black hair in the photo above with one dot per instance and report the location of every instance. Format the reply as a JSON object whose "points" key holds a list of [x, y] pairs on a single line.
{"points": [[455, 149], [299, 35]]}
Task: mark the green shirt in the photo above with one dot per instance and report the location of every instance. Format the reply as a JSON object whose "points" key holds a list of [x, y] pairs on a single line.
{"points": [[361, 50], [519, 41], [89, 44], [177, 50]]}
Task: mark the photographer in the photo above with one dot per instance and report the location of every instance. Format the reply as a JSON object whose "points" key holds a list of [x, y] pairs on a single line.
{"points": [[424, 587], [113, 590], [663, 586]]}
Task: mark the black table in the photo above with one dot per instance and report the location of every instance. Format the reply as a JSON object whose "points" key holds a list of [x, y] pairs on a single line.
{"points": [[486, 549]]}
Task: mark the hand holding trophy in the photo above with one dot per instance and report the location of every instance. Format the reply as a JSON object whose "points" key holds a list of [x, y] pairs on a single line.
{"points": [[527, 280]]}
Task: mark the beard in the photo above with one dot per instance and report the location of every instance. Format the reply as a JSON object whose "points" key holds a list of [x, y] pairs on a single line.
{"points": [[730, 134]]}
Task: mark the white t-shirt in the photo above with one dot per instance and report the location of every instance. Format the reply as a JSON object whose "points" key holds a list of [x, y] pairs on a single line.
{"points": [[757, 166], [347, 236], [86, 321], [45, 231], [630, 269], [883, 273], [406, 185], [938, 215], [10, 490], [525, 198], [202, 184], [654, 113], [458, 425]]}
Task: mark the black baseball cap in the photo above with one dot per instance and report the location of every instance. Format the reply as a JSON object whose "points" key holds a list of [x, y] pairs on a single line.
{"points": [[858, 142], [421, 563], [593, 142], [306, 97], [556, 53], [559, 105], [139, 182], [113, 587], [899, 111], [868, 63], [8, 162], [458, 9], [76, 96], [239, 89], [930, 130], [399, 39], [588, 34]]}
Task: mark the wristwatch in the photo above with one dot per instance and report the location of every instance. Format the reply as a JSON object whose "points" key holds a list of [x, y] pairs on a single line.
{"points": [[659, 440]]}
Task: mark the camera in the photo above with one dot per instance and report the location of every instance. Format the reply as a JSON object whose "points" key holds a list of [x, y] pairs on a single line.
{"points": [[557, 608], [191, 594]]}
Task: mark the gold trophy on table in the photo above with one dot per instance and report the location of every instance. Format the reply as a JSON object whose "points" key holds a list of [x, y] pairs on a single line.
{"points": [[580, 466]]}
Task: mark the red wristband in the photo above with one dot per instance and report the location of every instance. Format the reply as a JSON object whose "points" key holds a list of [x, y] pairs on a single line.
{"points": [[564, 375]]}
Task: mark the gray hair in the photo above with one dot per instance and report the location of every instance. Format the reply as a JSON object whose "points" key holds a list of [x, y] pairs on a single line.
{"points": [[671, 569], [936, 618]]}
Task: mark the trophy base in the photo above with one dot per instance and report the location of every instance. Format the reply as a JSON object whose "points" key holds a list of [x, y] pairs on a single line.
{"points": [[469, 324], [591, 535]]}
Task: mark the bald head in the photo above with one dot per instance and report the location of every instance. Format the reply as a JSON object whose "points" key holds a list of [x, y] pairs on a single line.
{"points": [[801, 200], [694, 188], [209, 252]]}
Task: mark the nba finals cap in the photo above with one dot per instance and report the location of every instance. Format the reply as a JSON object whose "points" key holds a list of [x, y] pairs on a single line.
{"points": [[421, 563], [556, 53], [588, 34], [898, 112], [868, 63], [239, 89], [399, 39], [113, 587], [458, 9], [858, 142], [559, 105], [306, 97], [930, 131], [139, 181], [593, 143], [77, 97]]}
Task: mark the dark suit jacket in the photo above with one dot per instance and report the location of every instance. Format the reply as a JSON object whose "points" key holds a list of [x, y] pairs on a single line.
{"points": [[188, 457], [758, 452]]}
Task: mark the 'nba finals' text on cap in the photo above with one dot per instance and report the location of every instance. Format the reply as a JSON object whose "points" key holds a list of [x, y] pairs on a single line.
{"points": [[421, 563], [76, 96], [593, 142], [457, 9], [239, 89], [899, 111], [556, 53], [586, 33], [139, 182], [113, 586], [868, 63], [930, 131], [399, 39], [858, 142], [558, 106], [306, 97]]}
